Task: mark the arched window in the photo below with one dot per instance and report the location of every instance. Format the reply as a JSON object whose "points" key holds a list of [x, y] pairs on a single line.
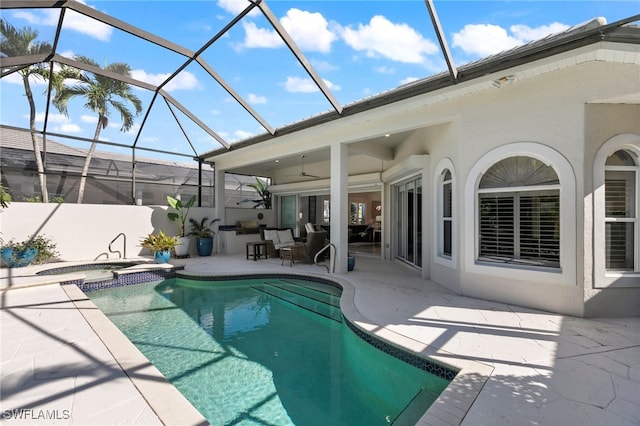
{"points": [[445, 229], [445, 217], [519, 213], [621, 211]]}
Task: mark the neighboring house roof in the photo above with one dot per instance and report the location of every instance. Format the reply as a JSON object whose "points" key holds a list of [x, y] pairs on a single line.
{"points": [[18, 139]]}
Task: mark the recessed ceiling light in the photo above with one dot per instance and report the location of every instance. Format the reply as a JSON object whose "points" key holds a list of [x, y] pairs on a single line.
{"points": [[277, 161], [387, 135]]}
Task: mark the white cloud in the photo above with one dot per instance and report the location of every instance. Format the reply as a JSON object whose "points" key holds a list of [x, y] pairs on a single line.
{"points": [[16, 78], [486, 39], [300, 85], [331, 86], [383, 38], [242, 134], [324, 66], [183, 81], [48, 17], [385, 70], [256, 99], [309, 30], [53, 118], [306, 85], [215, 111], [527, 33], [67, 54], [260, 37], [93, 119], [236, 6], [132, 131], [85, 25], [68, 128], [408, 80], [72, 21]]}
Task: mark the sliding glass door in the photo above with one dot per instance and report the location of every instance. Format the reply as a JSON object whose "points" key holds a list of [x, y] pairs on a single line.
{"points": [[288, 209], [408, 220]]}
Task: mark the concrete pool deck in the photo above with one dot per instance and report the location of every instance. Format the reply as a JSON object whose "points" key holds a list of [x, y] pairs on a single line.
{"points": [[522, 366]]}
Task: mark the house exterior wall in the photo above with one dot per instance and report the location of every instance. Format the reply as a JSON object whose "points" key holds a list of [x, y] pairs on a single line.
{"points": [[553, 112]]}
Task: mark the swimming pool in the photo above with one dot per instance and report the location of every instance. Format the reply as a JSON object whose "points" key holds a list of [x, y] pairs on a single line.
{"points": [[268, 351]]}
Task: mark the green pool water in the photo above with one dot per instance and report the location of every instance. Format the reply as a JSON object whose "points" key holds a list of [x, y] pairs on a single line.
{"points": [[267, 352]]}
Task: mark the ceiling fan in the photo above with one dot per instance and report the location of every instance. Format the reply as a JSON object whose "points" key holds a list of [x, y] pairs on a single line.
{"points": [[303, 173]]}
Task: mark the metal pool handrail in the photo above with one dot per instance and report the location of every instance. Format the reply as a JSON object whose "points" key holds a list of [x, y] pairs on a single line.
{"points": [[332, 256], [124, 254]]}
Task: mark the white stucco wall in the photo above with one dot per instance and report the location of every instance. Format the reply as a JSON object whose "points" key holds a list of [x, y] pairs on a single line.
{"points": [[84, 231]]}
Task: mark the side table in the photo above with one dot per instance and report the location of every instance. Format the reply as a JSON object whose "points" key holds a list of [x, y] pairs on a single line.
{"points": [[258, 249]]}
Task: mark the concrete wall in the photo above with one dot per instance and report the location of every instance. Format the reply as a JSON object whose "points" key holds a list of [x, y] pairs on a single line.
{"points": [[84, 231]]}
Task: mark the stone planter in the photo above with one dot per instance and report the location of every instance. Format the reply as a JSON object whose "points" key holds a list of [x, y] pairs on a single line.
{"points": [[162, 256], [205, 246], [351, 263], [182, 249], [18, 259]]}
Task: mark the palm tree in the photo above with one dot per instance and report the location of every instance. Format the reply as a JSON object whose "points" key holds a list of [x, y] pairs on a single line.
{"points": [[101, 94], [21, 42]]}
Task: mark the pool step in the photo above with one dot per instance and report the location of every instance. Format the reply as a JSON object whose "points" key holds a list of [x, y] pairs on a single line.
{"points": [[309, 292], [416, 408], [302, 301], [311, 285]]}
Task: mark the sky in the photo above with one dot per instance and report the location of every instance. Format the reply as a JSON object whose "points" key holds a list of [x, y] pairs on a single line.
{"points": [[359, 48]]}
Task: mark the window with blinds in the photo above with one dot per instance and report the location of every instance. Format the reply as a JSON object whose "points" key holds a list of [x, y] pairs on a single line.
{"points": [[521, 224], [620, 212]]}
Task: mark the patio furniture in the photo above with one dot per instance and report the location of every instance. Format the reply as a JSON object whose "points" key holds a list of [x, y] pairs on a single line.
{"points": [[276, 239], [316, 240], [293, 254], [256, 249], [304, 252]]}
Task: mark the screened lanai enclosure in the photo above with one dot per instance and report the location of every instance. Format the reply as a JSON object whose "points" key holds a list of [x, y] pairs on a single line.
{"points": [[151, 132], [103, 95]]}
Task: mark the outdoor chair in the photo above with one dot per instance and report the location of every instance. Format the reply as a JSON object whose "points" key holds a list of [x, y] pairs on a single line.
{"points": [[316, 240]]}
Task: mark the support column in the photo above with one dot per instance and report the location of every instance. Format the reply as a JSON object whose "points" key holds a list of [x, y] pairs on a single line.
{"points": [[219, 197], [340, 204]]}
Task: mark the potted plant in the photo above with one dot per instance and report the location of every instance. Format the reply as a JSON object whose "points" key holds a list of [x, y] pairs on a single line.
{"points": [[351, 261], [36, 249], [180, 216], [160, 244], [204, 235]]}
